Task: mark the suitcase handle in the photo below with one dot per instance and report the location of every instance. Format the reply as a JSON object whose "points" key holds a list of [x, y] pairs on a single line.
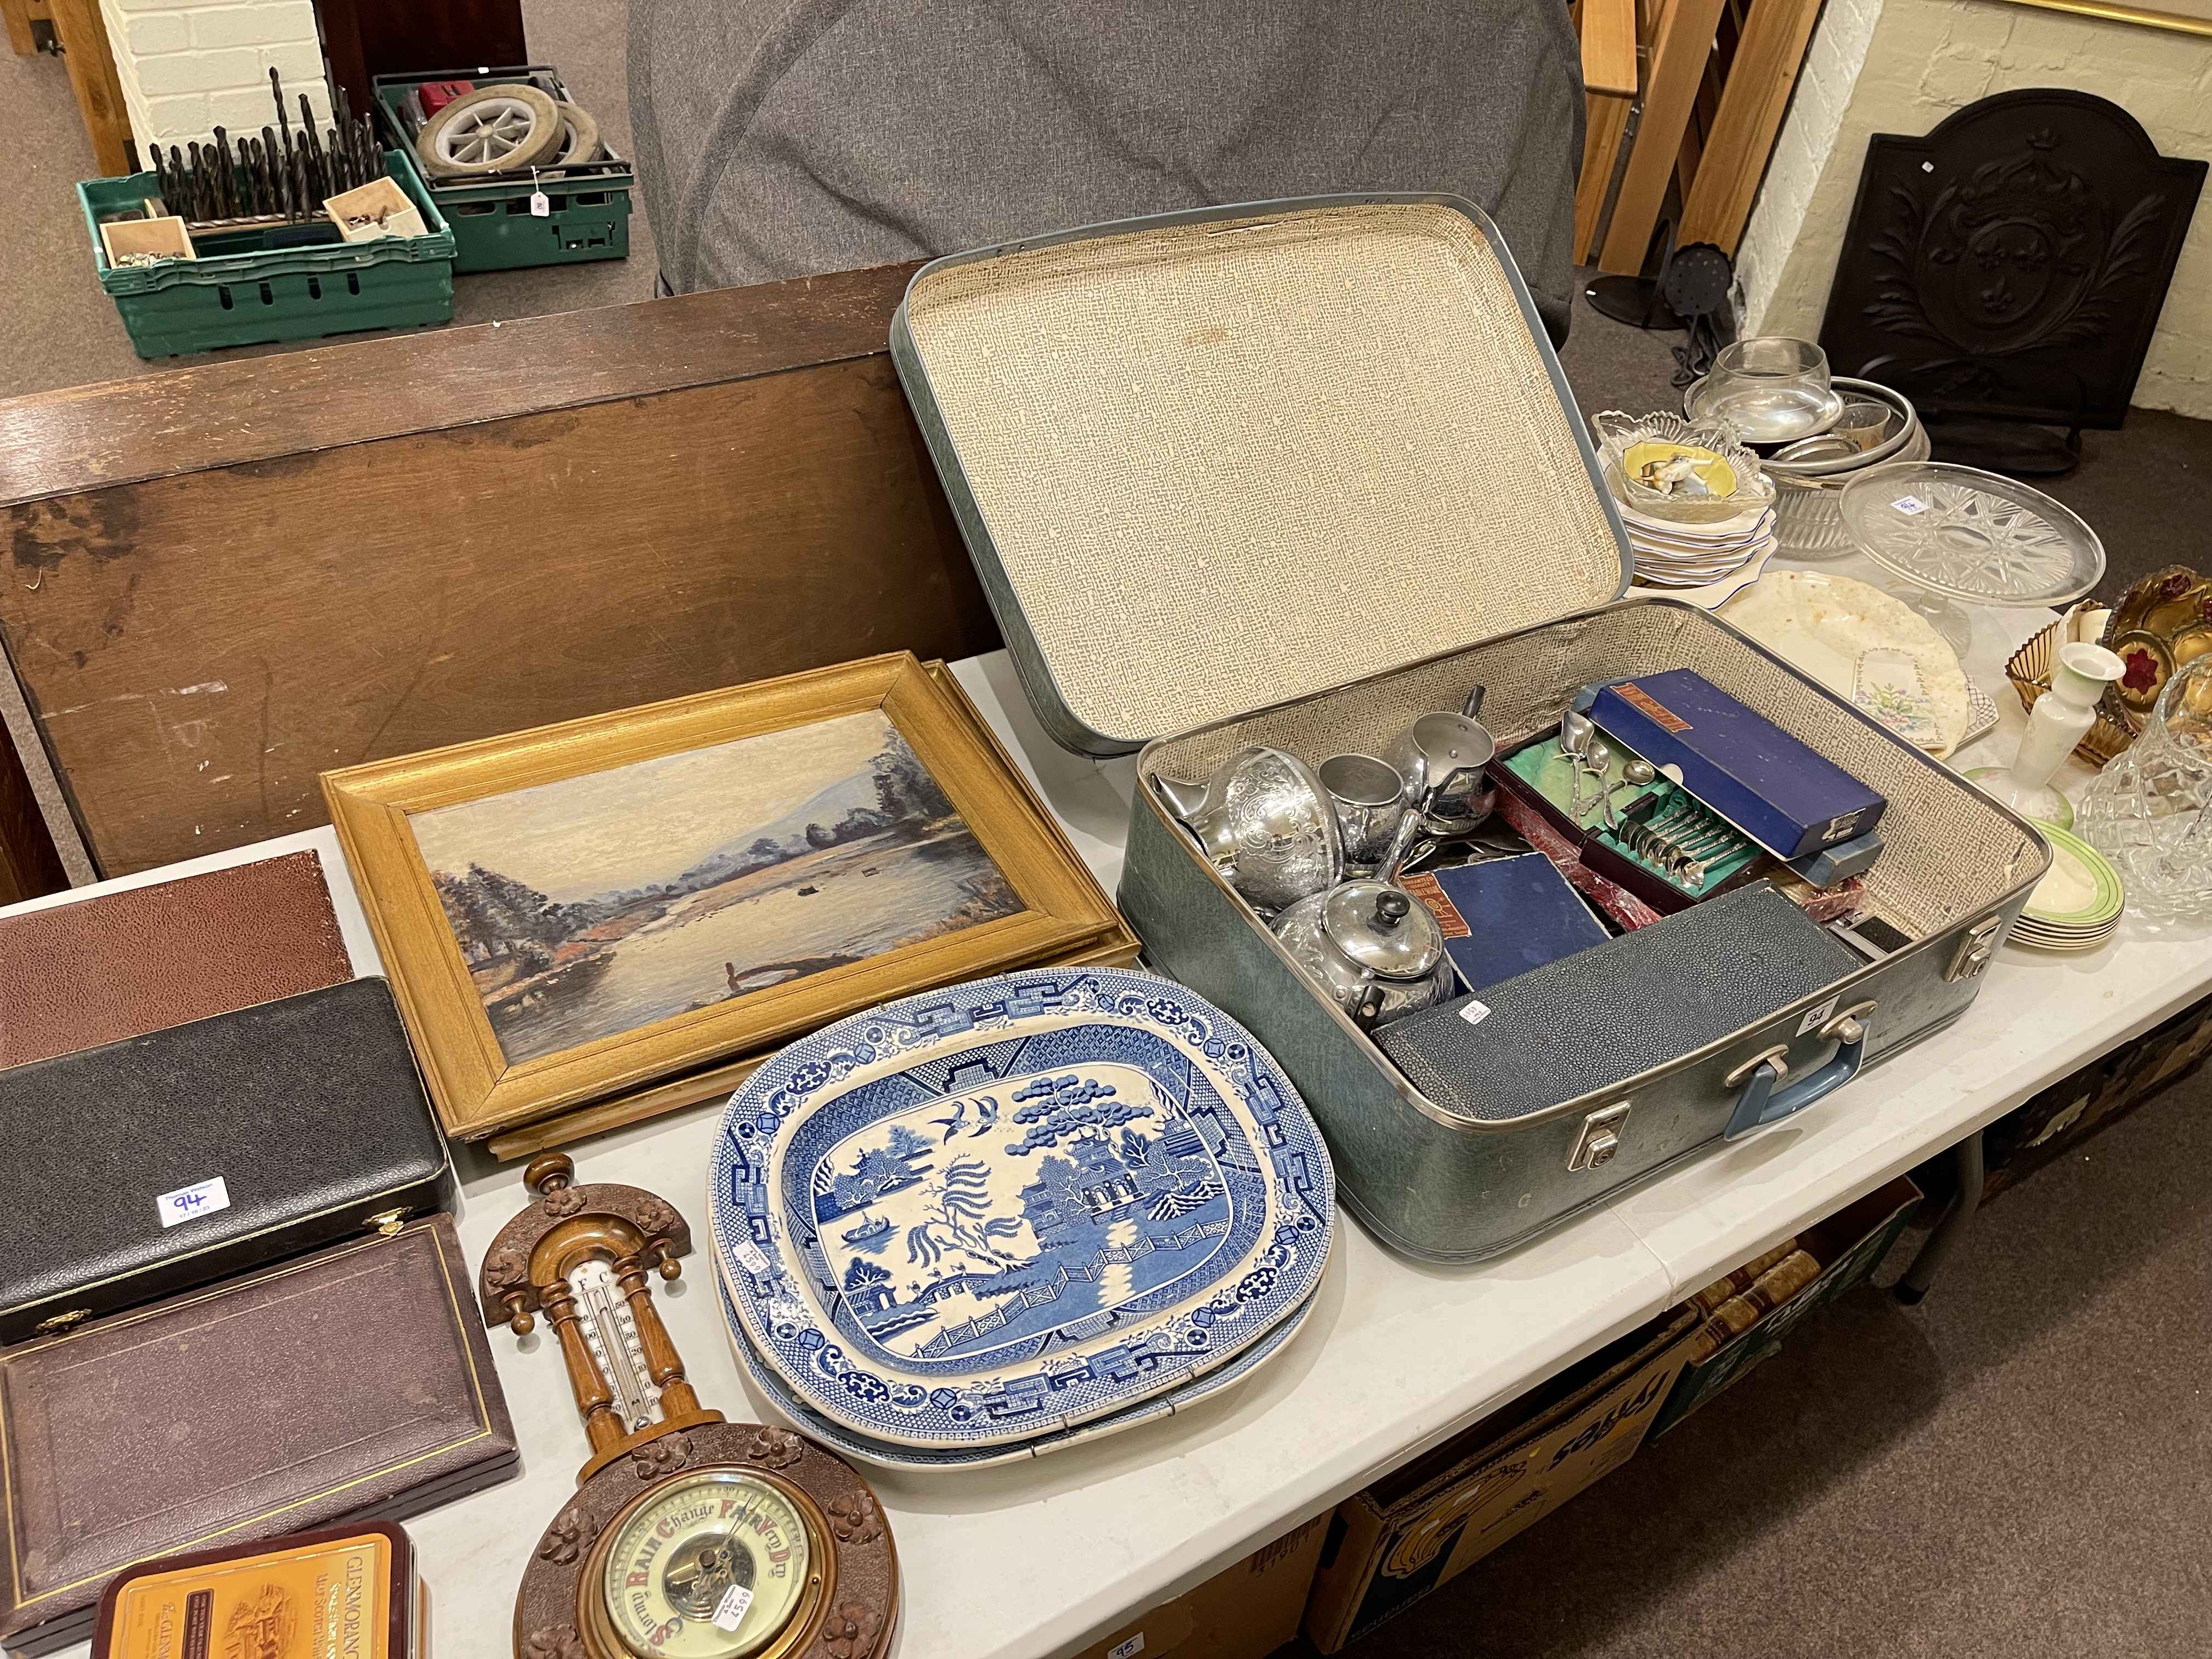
{"points": [[1763, 1101]]}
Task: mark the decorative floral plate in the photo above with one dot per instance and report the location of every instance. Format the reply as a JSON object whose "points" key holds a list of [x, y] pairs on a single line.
{"points": [[839, 1439], [984, 1214], [1870, 649]]}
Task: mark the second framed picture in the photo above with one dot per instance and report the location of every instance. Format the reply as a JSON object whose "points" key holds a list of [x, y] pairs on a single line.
{"points": [[574, 913]]}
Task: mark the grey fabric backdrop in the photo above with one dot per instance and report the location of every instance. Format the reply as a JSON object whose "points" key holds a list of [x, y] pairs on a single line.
{"points": [[784, 137]]}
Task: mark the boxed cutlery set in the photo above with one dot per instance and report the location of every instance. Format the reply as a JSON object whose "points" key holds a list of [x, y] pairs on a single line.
{"points": [[233, 1293]]}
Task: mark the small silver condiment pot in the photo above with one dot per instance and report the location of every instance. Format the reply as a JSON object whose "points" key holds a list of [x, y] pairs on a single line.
{"points": [[1370, 801]]}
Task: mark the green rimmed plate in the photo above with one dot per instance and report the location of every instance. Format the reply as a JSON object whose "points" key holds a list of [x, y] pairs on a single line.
{"points": [[2081, 892]]}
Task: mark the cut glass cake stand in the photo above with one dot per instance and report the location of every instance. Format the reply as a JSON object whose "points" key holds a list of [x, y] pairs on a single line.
{"points": [[1951, 534]]}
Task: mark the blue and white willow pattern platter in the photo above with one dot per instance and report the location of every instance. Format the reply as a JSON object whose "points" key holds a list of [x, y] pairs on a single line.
{"points": [[986, 1214], [841, 1439]]}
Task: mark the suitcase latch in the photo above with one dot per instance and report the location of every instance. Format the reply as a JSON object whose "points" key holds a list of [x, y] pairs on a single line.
{"points": [[387, 1222], [1600, 1137], [1975, 947]]}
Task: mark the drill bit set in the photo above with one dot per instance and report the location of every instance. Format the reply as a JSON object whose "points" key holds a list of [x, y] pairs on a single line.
{"points": [[274, 180]]}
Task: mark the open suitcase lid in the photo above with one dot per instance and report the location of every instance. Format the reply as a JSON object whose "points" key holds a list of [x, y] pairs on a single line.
{"points": [[1209, 461]]}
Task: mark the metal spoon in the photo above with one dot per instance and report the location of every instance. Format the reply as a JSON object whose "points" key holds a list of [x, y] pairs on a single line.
{"points": [[1576, 730], [1597, 758]]}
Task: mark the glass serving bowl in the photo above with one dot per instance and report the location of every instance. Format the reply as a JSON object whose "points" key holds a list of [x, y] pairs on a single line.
{"points": [[1681, 472], [1771, 389], [2146, 810]]}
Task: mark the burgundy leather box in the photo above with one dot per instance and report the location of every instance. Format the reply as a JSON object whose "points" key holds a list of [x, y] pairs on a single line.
{"points": [[353, 1384]]}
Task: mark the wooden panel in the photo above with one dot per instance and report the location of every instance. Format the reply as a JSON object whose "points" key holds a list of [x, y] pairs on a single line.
{"points": [[83, 40], [1750, 111], [364, 38], [182, 420], [1680, 43], [196, 647], [28, 863], [1608, 28], [17, 15]]}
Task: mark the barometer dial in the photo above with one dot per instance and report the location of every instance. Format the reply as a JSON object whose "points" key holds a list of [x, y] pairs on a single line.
{"points": [[713, 1566]]}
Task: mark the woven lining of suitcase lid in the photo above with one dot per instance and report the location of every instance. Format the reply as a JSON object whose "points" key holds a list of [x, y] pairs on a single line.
{"points": [[1229, 463], [1948, 855]]}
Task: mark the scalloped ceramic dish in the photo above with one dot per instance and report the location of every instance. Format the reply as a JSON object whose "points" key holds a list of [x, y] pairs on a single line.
{"points": [[984, 1215]]}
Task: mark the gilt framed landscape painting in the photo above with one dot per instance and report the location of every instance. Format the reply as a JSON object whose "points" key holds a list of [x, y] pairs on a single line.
{"points": [[574, 912]]}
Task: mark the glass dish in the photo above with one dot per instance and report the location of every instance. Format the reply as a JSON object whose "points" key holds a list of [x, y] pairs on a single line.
{"points": [[1971, 534], [1770, 389], [2145, 812], [1679, 471]]}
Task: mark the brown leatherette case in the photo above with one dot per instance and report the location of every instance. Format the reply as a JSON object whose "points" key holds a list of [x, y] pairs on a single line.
{"points": [[351, 1384], [101, 969]]}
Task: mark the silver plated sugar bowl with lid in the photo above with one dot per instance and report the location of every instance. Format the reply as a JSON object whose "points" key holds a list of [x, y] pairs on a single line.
{"points": [[1265, 821], [1372, 947]]}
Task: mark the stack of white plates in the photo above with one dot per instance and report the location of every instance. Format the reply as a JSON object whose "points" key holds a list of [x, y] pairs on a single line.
{"points": [[2077, 905], [990, 1222], [1683, 556]]}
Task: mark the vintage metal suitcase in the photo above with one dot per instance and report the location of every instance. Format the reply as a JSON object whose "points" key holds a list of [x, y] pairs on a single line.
{"points": [[1294, 473]]}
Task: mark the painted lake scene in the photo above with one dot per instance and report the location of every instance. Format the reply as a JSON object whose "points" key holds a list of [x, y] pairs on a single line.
{"points": [[606, 902]]}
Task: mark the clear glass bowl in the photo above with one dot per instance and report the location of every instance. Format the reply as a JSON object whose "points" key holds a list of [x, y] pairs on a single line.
{"points": [[2146, 810], [1770, 389]]}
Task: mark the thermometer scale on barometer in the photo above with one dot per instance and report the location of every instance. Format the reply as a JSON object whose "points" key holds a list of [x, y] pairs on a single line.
{"points": [[690, 1537]]}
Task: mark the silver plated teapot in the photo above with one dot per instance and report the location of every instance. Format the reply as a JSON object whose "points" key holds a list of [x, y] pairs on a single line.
{"points": [[1371, 947], [1264, 820]]}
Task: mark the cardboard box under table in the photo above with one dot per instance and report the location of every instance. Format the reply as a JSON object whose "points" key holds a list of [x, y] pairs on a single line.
{"points": [[1430, 1521], [1295, 473], [1848, 1246], [1243, 1612]]}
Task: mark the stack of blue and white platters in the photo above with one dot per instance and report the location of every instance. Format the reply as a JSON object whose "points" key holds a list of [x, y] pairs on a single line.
{"points": [[990, 1222]]}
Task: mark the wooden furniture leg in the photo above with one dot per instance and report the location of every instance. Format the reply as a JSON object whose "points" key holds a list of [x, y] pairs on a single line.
{"points": [[83, 40], [1602, 139], [17, 14], [1681, 42], [1609, 38], [1750, 111]]}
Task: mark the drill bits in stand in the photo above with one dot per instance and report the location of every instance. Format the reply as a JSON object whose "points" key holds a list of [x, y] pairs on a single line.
{"points": [[222, 185]]}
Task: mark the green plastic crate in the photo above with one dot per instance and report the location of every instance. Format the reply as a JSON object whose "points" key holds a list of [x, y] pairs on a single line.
{"points": [[493, 228], [239, 292]]}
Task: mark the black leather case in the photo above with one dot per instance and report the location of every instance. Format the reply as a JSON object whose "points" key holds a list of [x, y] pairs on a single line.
{"points": [[1590, 1020], [307, 1109]]}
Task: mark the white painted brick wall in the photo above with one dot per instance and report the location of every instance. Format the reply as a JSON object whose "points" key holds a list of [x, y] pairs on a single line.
{"points": [[1902, 66], [189, 66]]}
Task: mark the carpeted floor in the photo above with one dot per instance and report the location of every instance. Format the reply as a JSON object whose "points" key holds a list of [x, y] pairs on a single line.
{"points": [[2020, 1467]]}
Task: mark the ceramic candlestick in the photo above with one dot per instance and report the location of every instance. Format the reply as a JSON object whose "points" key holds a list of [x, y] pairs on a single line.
{"points": [[2056, 723]]}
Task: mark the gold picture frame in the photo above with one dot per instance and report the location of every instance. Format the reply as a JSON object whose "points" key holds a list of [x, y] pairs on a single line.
{"points": [[1056, 910]]}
